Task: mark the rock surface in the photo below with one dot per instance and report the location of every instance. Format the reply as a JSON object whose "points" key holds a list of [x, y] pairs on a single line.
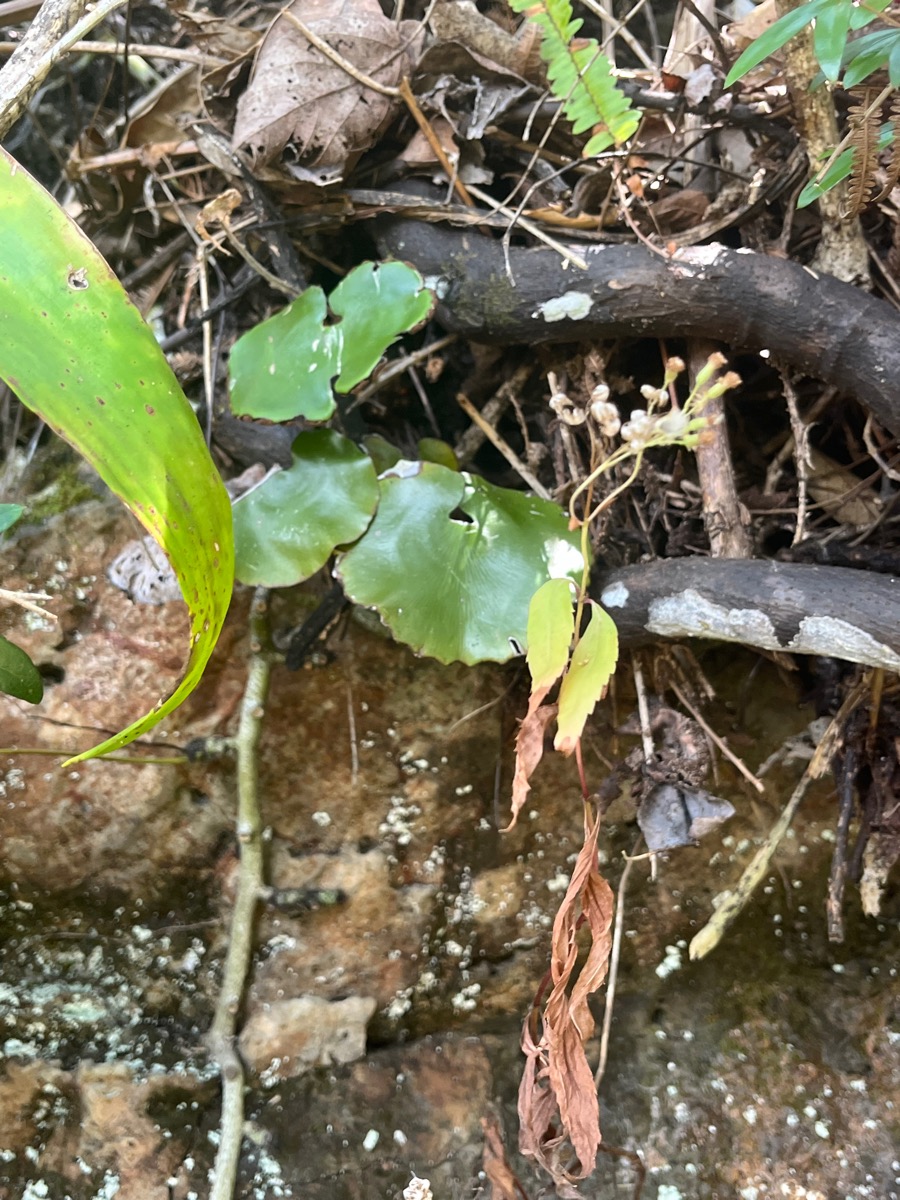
{"points": [[770, 1069]]}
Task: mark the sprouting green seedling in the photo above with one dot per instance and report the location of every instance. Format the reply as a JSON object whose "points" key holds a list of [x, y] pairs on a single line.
{"points": [[661, 423], [583, 660]]}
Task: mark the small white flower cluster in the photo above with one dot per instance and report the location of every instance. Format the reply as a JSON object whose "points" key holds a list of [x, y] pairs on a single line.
{"points": [[604, 411], [600, 408], [566, 410], [662, 423], [650, 426], [639, 428]]}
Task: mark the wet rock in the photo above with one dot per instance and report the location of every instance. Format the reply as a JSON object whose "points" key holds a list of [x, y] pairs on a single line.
{"points": [[373, 938], [107, 662], [360, 1133], [770, 1069], [88, 1134], [288, 1037]]}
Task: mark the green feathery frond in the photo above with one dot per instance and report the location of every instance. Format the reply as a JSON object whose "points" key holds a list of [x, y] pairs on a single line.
{"points": [[581, 78]]}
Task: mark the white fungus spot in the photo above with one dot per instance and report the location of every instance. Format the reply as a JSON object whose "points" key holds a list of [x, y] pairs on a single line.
{"points": [[573, 305]]}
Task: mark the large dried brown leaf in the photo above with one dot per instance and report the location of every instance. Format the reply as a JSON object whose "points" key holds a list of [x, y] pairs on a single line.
{"points": [[299, 96], [557, 1100], [500, 1175]]}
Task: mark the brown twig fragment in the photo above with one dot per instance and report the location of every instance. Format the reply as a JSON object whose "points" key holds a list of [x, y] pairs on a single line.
{"points": [[338, 59], [503, 446], [197, 58], [723, 514], [434, 142]]}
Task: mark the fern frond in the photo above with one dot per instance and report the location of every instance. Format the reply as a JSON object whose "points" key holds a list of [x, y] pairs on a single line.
{"points": [[864, 128], [581, 78], [893, 167]]}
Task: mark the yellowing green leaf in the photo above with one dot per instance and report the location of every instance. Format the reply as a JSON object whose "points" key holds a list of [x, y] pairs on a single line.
{"points": [[77, 352], [593, 662], [551, 624]]}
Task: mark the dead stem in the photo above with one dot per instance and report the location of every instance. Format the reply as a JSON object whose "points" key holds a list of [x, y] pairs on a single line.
{"points": [[221, 1037], [58, 25], [800, 430], [503, 446], [198, 58], [730, 903], [614, 955], [723, 514]]}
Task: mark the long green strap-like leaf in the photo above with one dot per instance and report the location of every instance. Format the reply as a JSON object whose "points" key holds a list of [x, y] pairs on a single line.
{"points": [[76, 351]]}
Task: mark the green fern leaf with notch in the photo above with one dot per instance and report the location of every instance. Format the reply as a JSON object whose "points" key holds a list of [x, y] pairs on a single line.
{"points": [[581, 78]]}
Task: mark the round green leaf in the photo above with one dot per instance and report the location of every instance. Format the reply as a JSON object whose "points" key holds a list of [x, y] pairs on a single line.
{"points": [[287, 528], [377, 302], [18, 675], [283, 368], [436, 450], [382, 453], [451, 563]]}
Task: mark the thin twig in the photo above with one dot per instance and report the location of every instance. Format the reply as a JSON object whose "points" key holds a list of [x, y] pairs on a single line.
{"points": [[620, 29], [471, 440], [273, 281], [137, 50], [873, 450], [643, 709], [646, 732], [729, 904], [837, 878], [221, 1037], [132, 156], [802, 461], [434, 142], [354, 747], [503, 446], [27, 600], [49, 36], [339, 60], [714, 737], [535, 230], [614, 955], [399, 365]]}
